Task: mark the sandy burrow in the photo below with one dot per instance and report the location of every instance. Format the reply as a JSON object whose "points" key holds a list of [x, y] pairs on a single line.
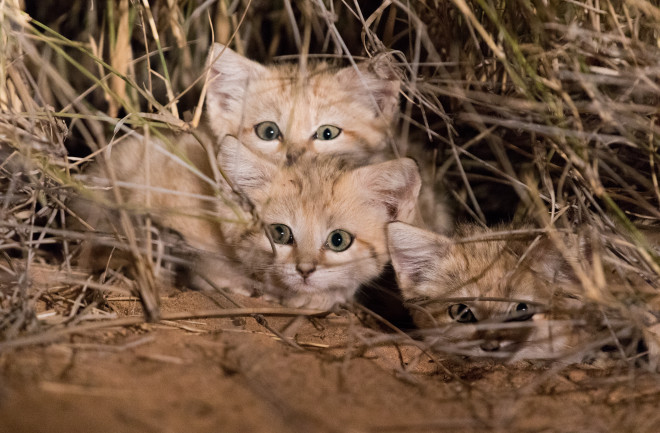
{"points": [[234, 375]]}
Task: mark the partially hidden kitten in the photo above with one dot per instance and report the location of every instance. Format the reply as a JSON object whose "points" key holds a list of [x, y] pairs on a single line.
{"points": [[322, 220], [283, 110], [327, 219], [474, 295]]}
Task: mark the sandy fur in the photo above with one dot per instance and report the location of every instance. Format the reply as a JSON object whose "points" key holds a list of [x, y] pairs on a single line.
{"points": [[489, 276], [361, 101], [174, 179], [318, 194]]}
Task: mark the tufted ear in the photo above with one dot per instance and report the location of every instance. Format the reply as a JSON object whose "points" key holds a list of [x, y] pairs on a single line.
{"points": [[374, 81], [415, 254], [555, 263], [229, 77], [394, 184], [245, 169]]}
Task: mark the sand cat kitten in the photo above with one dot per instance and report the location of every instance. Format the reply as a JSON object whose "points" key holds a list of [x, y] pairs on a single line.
{"points": [[325, 216], [284, 111], [327, 221], [478, 295]]}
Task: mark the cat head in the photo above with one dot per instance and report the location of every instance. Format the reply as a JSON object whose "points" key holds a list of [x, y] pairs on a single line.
{"points": [[483, 296], [283, 112], [323, 221]]}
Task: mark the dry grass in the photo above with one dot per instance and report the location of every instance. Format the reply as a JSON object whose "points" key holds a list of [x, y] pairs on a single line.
{"points": [[543, 111]]}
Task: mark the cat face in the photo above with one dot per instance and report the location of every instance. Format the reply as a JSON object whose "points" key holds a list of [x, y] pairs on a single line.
{"points": [[325, 219], [480, 297], [282, 112]]}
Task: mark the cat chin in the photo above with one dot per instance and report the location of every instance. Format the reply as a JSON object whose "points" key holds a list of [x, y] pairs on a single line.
{"points": [[303, 288], [558, 345], [316, 283], [318, 301], [298, 294], [300, 289], [509, 350]]}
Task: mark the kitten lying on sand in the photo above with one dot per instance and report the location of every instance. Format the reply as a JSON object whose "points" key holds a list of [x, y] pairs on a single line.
{"points": [[327, 220], [479, 296], [325, 216]]}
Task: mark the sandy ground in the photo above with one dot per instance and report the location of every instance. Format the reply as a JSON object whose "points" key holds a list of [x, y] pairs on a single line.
{"points": [[234, 375]]}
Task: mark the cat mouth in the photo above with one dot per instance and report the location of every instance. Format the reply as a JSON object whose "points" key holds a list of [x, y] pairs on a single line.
{"points": [[307, 287], [303, 286], [502, 347], [296, 283], [492, 349]]}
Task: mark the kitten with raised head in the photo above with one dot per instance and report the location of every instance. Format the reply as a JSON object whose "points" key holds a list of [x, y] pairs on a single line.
{"points": [[475, 294], [283, 111]]}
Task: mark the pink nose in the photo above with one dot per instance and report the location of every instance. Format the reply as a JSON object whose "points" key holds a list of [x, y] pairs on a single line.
{"points": [[305, 269]]}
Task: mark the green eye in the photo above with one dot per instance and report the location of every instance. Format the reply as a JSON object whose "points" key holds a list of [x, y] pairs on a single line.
{"points": [[461, 313], [281, 234], [267, 131], [339, 240], [327, 132]]}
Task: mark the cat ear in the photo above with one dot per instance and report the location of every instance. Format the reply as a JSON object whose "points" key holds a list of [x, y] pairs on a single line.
{"points": [[554, 264], [414, 253], [229, 76], [245, 169], [394, 184], [374, 81]]}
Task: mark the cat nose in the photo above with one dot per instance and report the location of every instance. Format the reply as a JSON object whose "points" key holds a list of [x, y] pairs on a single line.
{"points": [[293, 153], [490, 346], [305, 269]]}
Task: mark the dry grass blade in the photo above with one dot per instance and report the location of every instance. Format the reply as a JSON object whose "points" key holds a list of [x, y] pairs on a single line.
{"points": [[542, 114], [546, 93], [55, 334]]}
